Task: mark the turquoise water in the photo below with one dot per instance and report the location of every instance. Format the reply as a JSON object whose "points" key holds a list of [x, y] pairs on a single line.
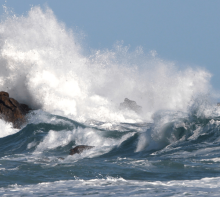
{"points": [[169, 148], [187, 166]]}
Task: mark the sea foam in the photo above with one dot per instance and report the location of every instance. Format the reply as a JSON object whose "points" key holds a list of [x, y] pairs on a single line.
{"points": [[6, 129], [44, 66]]}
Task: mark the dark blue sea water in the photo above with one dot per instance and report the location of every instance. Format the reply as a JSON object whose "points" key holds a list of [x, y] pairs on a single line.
{"points": [[180, 159], [169, 148]]}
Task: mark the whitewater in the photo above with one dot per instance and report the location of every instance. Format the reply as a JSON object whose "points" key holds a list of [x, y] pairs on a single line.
{"points": [[171, 148]]}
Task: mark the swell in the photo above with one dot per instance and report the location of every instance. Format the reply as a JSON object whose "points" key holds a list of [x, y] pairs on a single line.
{"points": [[33, 133], [58, 137], [131, 140]]}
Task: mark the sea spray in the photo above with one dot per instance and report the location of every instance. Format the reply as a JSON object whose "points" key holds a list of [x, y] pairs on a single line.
{"points": [[170, 149], [6, 128], [43, 65]]}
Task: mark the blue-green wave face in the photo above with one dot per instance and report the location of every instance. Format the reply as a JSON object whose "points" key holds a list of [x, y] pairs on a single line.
{"points": [[126, 156], [164, 143]]}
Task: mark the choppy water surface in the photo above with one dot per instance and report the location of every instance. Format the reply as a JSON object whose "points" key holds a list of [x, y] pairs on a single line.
{"points": [[170, 149], [180, 159]]}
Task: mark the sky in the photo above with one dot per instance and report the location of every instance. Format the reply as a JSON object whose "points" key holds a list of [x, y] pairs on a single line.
{"points": [[184, 31]]}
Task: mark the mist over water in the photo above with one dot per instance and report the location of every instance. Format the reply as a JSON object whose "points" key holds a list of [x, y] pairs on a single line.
{"points": [[76, 97], [43, 65]]}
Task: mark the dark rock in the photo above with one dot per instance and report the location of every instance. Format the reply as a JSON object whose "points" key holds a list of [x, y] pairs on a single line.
{"points": [[79, 149], [131, 105], [218, 104], [4, 94], [12, 111]]}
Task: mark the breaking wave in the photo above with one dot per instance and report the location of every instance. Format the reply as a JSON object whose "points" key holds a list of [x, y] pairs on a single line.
{"points": [[44, 66]]}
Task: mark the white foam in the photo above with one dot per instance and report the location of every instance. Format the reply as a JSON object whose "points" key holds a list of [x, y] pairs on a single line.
{"points": [[162, 132], [116, 186], [80, 136], [43, 65], [6, 129]]}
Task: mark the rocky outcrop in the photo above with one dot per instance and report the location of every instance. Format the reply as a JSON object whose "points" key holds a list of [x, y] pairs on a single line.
{"points": [[131, 105], [79, 149], [12, 111]]}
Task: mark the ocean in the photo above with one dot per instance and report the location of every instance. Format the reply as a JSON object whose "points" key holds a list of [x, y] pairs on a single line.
{"points": [[170, 148]]}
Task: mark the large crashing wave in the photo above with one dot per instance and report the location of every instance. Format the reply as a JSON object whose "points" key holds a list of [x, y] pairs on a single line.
{"points": [[43, 65]]}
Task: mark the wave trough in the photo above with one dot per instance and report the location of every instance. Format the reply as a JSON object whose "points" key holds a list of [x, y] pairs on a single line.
{"points": [[164, 151]]}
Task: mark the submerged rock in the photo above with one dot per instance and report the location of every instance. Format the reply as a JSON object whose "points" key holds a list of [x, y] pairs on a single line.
{"points": [[12, 111], [131, 105], [79, 149]]}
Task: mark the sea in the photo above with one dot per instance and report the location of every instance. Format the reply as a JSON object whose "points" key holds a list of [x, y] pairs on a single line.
{"points": [[170, 148]]}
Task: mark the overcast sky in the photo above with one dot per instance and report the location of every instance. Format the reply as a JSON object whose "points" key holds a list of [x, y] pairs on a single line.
{"points": [[184, 31]]}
